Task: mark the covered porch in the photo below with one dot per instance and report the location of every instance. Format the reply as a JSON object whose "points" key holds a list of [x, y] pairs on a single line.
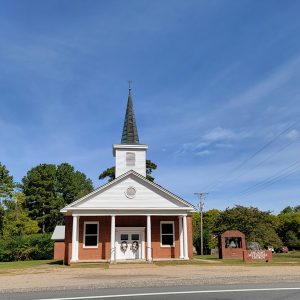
{"points": [[129, 236]]}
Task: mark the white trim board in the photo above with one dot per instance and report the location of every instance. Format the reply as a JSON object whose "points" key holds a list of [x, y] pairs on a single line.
{"points": [[84, 234], [160, 234], [182, 204]]}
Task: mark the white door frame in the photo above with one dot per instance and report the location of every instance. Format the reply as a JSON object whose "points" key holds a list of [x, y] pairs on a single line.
{"points": [[141, 230]]}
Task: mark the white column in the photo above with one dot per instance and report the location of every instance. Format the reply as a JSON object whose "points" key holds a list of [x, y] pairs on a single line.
{"points": [[112, 238], [77, 238], [75, 225], [181, 255], [149, 255], [185, 238]]}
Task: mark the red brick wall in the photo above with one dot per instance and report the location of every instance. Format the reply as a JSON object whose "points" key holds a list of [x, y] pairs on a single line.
{"points": [[131, 221], [103, 250], [68, 239], [59, 250], [252, 255], [157, 250], [231, 253]]}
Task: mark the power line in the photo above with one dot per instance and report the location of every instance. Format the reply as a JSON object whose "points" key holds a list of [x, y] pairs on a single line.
{"points": [[272, 182], [270, 142], [284, 173], [261, 162]]}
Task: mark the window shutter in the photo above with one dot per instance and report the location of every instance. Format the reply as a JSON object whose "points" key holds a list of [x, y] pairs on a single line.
{"points": [[130, 159]]}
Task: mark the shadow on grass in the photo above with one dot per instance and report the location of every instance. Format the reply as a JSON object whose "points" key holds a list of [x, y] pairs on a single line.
{"points": [[56, 262], [90, 265]]}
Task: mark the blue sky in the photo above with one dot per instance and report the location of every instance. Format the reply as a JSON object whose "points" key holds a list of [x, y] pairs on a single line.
{"points": [[213, 83]]}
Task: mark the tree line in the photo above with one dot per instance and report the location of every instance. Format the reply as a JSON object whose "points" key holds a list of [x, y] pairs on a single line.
{"points": [[259, 226], [30, 210]]}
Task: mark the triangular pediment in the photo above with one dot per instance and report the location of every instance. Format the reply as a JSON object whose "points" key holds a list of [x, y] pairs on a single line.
{"points": [[130, 191]]}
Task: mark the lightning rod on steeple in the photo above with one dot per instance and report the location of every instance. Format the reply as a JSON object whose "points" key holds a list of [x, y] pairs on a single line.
{"points": [[129, 84]]}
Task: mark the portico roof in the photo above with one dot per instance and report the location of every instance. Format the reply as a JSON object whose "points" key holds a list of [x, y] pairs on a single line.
{"points": [[112, 197]]}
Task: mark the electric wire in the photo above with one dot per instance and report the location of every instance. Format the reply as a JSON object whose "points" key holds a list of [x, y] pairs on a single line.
{"points": [[240, 165], [274, 153], [285, 172], [272, 182]]}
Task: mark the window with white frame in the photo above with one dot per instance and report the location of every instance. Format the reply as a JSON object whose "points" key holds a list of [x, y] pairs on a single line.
{"points": [[167, 238], [130, 159], [90, 234]]}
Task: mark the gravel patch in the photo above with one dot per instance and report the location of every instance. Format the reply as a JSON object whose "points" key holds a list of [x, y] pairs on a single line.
{"points": [[116, 276]]}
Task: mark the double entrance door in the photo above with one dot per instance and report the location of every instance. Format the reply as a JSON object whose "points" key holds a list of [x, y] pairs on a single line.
{"points": [[129, 243]]}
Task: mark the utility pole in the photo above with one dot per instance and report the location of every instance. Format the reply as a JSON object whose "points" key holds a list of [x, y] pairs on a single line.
{"points": [[201, 198]]}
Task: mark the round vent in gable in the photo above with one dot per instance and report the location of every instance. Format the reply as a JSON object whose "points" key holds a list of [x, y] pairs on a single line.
{"points": [[130, 192]]}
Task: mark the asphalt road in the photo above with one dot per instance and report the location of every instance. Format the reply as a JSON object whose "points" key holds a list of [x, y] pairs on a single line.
{"points": [[290, 291]]}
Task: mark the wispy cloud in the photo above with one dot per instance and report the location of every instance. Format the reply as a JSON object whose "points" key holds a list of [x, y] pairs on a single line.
{"points": [[219, 134], [214, 139], [293, 134], [203, 153], [278, 77], [224, 145]]}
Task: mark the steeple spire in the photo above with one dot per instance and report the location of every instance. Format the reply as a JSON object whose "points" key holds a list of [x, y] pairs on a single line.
{"points": [[130, 133]]}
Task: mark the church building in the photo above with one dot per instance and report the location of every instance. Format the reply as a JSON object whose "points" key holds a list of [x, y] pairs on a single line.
{"points": [[130, 218]]}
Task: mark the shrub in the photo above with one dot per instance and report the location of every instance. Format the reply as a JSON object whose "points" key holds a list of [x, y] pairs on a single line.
{"points": [[26, 247]]}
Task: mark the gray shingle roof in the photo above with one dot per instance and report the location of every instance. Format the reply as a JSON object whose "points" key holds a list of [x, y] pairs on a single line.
{"points": [[59, 233], [130, 134]]}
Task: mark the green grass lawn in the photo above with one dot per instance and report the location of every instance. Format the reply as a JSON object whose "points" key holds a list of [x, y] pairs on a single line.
{"points": [[293, 258], [28, 264]]}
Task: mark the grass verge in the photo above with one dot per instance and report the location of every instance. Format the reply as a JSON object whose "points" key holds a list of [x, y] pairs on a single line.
{"points": [[291, 258], [28, 264]]}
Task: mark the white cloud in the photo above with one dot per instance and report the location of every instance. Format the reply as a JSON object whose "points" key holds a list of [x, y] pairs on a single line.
{"points": [[216, 138], [202, 145], [192, 146], [224, 145], [293, 134], [203, 153], [219, 133], [274, 81]]}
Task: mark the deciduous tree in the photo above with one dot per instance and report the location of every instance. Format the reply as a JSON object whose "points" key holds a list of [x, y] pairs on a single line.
{"points": [[6, 183], [111, 172], [258, 226], [72, 184], [209, 237], [6, 190], [16, 221], [48, 188], [289, 229], [1, 218]]}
